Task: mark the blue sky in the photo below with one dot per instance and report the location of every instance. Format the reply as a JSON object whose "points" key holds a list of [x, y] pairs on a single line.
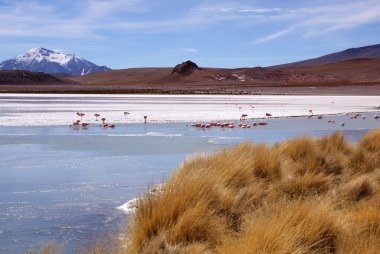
{"points": [[140, 33]]}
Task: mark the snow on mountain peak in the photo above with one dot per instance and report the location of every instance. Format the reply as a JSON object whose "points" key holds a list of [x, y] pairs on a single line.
{"points": [[40, 54], [50, 61]]}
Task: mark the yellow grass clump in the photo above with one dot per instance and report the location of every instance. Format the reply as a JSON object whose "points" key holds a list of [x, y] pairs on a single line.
{"points": [[304, 195]]}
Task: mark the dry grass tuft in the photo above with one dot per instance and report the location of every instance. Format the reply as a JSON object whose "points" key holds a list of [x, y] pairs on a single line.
{"points": [[287, 227], [48, 248], [302, 186]]}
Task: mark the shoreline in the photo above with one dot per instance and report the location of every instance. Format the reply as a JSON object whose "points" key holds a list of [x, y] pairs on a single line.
{"points": [[362, 89], [61, 110]]}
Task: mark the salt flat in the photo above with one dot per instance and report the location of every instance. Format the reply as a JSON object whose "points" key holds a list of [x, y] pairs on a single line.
{"points": [[56, 109]]}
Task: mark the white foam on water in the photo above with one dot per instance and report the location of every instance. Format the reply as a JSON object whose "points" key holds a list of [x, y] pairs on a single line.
{"points": [[58, 109], [129, 206]]}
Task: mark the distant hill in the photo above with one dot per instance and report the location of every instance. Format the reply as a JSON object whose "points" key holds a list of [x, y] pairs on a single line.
{"points": [[52, 62], [27, 78], [189, 73], [372, 51], [354, 70]]}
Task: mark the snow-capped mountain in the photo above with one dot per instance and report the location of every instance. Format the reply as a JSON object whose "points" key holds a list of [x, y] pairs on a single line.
{"points": [[49, 61]]}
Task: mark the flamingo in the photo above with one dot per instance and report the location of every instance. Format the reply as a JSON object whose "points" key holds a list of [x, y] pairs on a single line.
{"points": [[96, 116], [76, 123], [81, 115], [103, 120], [376, 117], [84, 125], [126, 113], [320, 117], [243, 117], [342, 124], [268, 115], [145, 117]]}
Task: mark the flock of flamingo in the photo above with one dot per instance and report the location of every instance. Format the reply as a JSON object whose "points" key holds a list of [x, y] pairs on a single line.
{"points": [[254, 124], [230, 125], [84, 125]]}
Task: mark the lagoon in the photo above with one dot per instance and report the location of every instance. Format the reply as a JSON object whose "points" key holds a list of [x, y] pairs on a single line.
{"points": [[64, 184]]}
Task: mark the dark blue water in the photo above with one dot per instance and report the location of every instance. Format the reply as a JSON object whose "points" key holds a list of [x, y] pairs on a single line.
{"points": [[63, 184]]}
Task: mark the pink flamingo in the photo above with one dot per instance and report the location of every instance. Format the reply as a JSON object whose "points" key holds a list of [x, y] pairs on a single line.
{"points": [[84, 125], [103, 120], [96, 117], [81, 115], [268, 115], [76, 123], [243, 117], [145, 117], [126, 113]]}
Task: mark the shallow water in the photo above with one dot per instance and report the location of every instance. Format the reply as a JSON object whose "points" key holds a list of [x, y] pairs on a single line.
{"points": [[63, 184]]}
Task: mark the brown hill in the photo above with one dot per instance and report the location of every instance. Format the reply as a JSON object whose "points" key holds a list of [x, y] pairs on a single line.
{"points": [[189, 73], [372, 51], [18, 77], [355, 70], [358, 76]]}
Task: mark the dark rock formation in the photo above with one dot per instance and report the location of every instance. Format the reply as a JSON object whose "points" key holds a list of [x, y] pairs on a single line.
{"points": [[185, 68]]}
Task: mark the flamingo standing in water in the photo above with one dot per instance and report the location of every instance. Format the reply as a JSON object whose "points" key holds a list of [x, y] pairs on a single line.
{"points": [[145, 117], [126, 113], [268, 115], [103, 120], [96, 117], [81, 115], [76, 123]]}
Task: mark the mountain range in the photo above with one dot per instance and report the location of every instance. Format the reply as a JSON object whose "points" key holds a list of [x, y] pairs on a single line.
{"points": [[355, 68], [52, 62]]}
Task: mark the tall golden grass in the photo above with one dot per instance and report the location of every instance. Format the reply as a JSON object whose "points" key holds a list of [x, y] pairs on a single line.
{"points": [[303, 195]]}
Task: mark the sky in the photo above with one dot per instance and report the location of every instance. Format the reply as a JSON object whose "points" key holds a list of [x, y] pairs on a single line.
{"points": [[212, 33]]}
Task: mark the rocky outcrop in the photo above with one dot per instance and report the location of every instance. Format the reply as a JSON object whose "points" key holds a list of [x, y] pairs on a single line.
{"points": [[185, 68]]}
